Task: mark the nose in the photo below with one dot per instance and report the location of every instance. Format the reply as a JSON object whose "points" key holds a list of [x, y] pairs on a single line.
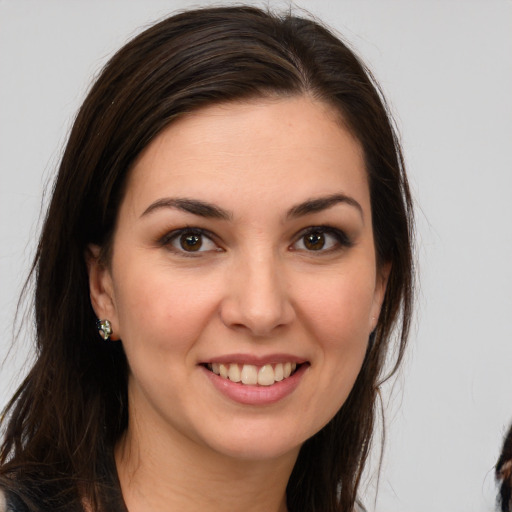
{"points": [[257, 297]]}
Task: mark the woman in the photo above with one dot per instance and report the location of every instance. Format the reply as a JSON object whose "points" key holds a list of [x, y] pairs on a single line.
{"points": [[504, 474], [225, 257]]}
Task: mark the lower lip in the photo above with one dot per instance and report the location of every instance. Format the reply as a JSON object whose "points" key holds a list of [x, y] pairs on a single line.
{"points": [[257, 395]]}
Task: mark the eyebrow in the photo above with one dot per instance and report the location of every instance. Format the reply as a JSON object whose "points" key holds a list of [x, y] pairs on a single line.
{"points": [[323, 203], [194, 206], [212, 211]]}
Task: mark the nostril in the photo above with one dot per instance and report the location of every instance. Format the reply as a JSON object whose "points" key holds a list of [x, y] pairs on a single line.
{"points": [[258, 304]]}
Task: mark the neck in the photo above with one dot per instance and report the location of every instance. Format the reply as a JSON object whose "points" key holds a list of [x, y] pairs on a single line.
{"points": [[164, 474]]}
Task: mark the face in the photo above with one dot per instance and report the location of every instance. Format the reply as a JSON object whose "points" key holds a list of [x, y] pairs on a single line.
{"points": [[243, 281]]}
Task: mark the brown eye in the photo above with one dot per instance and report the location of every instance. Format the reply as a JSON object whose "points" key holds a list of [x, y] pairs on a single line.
{"points": [[191, 242], [321, 239], [314, 241]]}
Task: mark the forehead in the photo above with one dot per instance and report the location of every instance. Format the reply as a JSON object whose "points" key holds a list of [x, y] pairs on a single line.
{"points": [[296, 147]]}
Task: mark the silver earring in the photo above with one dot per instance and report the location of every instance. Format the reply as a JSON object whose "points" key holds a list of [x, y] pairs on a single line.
{"points": [[104, 329]]}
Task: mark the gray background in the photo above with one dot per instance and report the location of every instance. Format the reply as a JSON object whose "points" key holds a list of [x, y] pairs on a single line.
{"points": [[446, 68]]}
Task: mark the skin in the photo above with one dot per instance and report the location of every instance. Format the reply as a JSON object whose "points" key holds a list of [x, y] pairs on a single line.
{"points": [[254, 288]]}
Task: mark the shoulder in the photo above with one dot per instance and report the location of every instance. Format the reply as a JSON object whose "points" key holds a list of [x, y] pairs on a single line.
{"points": [[359, 507]]}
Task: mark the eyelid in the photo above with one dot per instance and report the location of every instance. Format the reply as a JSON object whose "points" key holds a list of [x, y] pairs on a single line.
{"points": [[343, 240], [170, 236]]}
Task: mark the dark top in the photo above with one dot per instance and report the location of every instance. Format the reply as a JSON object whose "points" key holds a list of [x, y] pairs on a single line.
{"points": [[17, 497], [14, 498], [10, 502]]}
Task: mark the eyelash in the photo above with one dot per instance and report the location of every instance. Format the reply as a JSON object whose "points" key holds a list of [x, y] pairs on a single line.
{"points": [[174, 236], [341, 240], [340, 237]]}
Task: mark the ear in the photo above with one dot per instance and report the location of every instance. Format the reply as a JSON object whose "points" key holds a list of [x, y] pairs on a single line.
{"points": [[381, 283], [101, 288]]}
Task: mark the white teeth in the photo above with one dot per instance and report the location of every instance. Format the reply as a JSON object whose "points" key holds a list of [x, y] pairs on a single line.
{"points": [[266, 375], [249, 374], [252, 375], [279, 372], [234, 373]]}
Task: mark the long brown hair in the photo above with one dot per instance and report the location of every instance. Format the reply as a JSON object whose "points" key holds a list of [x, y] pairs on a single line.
{"points": [[504, 474], [72, 407]]}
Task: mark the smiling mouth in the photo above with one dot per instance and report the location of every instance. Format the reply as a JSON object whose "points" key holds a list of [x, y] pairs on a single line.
{"points": [[252, 375]]}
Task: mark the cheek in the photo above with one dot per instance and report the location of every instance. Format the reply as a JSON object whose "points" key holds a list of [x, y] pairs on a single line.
{"points": [[337, 312], [338, 308], [165, 310]]}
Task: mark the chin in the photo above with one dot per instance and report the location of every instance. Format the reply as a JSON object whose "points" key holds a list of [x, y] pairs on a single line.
{"points": [[261, 451], [261, 446]]}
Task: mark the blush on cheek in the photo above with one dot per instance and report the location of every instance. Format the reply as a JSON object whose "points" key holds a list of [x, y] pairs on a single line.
{"points": [[174, 316], [343, 319]]}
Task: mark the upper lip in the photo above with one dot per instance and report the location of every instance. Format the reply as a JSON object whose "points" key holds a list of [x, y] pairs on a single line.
{"points": [[256, 360]]}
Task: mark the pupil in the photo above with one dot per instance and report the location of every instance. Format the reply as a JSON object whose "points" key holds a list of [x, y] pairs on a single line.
{"points": [[315, 241], [191, 242]]}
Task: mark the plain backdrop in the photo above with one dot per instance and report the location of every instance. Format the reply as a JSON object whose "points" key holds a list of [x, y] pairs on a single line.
{"points": [[446, 68]]}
